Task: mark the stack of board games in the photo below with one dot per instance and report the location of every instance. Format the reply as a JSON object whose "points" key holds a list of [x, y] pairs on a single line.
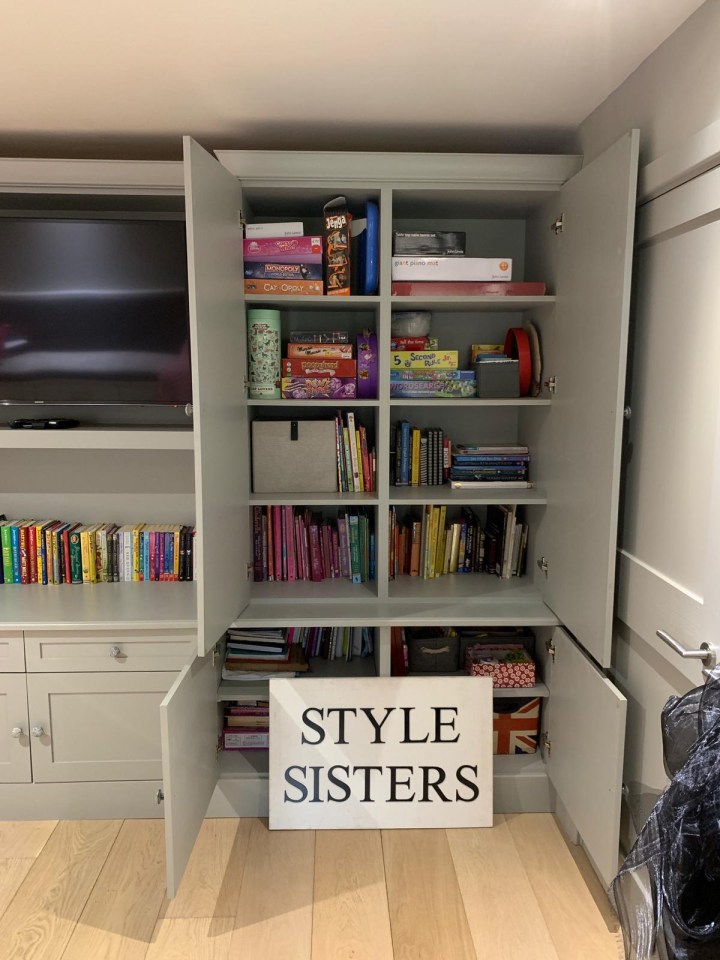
{"points": [[283, 265], [247, 725], [319, 366], [434, 263], [419, 369]]}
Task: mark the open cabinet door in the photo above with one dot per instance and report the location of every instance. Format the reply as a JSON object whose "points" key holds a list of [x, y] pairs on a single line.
{"points": [[587, 356], [189, 737], [213, 201], [584, 727]]}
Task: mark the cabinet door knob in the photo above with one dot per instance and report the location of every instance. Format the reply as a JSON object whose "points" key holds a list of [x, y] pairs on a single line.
{"points": [[17, 732], [38, 732], [115, 652]]}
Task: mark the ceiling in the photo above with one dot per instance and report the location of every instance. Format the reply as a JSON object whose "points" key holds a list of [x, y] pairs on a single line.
{"points": [[127, 79]]}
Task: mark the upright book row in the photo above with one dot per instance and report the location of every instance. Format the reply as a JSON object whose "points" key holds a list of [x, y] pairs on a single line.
{"points": [[433, 545], [57, 552], [296, 543]]}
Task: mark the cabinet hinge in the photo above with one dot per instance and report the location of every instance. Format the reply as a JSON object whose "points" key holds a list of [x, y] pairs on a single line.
{"points": [[557, 224], [215, 656], [551, 384], [547, 745], [543, 565], [241, 219], [159, 797], [219, 746], [550, 647], [248, 570]]}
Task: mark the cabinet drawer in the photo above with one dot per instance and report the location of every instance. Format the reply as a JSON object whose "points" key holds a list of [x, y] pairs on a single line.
{"points": [[96, 726], [12, 652], [57, 651]]}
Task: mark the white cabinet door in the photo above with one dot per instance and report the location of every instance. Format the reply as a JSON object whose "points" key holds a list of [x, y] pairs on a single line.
{"points": [[189, 723], [584, 723], [218, 343], [587, 355], [14, 732], [96, 726], [670, 549], [12, 652]]}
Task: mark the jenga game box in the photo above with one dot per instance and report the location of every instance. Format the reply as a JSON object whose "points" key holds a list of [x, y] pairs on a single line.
{"points": [[336, 220]]}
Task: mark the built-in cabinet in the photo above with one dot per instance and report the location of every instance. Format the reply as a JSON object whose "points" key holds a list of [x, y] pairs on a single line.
{"points": [[568, 225]]}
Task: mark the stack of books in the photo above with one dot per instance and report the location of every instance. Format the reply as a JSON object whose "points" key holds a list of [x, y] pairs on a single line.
{"points": [[296, 543], [419, 457], [482, 467], [279, 264], [60, 552], [319, 366], [247, 725], [258, 654]]}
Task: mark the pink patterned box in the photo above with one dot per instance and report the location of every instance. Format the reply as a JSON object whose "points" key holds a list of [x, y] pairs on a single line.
{"points": [[509, 664]]}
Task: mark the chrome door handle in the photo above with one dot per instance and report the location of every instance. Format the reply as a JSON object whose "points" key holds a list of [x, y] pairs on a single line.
{"points": [[704, 652]]}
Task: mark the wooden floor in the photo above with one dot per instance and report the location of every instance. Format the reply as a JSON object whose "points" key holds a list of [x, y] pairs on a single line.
{"points": [[95, 890]]}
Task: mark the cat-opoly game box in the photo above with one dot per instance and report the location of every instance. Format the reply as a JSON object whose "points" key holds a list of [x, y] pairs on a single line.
{"points": [[336, 224]]}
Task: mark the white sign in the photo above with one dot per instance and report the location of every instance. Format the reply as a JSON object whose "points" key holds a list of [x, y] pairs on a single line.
{"points": [[380, 752]]}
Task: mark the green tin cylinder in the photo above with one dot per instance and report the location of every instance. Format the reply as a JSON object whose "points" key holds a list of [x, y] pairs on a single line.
{"points": [[264, 347]]}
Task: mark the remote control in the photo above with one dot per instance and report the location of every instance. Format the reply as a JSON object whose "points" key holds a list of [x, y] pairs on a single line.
{"points": [[53, 423]]}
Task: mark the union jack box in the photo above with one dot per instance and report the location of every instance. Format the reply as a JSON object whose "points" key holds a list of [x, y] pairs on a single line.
{"points": [[515, 725]]}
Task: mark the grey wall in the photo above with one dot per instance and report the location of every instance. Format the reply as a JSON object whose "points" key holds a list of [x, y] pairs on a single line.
{"points": [[672, 94]]}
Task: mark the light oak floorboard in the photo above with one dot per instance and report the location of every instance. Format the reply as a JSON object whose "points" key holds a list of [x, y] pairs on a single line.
{"points": [[212, 880], [195, 939], [505, 919], [274, 917], [350, 912], [22, 839], [40, 919], [12, 874], [427, 915], [576, 925], [122, 910]]}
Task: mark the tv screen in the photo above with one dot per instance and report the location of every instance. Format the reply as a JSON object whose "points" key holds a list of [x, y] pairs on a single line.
{"points": [[93, 312]]}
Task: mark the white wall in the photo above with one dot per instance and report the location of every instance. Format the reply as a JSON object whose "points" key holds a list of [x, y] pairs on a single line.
{"points": [[671, 95]]}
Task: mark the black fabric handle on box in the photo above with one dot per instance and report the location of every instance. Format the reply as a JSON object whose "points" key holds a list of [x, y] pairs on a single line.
{"points": [[293, 429]]}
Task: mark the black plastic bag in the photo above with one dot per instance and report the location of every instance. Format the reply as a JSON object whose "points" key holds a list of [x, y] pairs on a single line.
{"points": [[667, 892]]}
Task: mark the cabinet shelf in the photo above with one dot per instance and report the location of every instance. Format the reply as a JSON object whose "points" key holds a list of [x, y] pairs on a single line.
{"points": [[470, 402], [313, 303], [289, 593], [313, 403], [415, 496], [519, 607], [466, 304], [317, 499], [99, 606], [98, 438]]}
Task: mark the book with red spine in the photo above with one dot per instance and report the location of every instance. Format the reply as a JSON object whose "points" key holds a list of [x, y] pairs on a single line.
{"points": [[335, 545], [23, 537], [32, 553], [258, 573], [290, 531], [277, 537], [326, 550], [316, 563], [269, 544], [408, 343]]}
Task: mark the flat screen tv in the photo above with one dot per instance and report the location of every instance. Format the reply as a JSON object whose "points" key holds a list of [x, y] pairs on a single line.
{"points": [[93, 312]]}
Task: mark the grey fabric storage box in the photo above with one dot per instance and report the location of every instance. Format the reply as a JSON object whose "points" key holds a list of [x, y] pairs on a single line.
{"points": [[497, 378], [294, 456], [428, 653]]}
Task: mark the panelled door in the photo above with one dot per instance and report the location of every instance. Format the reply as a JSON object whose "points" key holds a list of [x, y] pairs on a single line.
{"points": [[669, 543], [213, 201], [587, 357], [584, 736], [14, 727]]}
